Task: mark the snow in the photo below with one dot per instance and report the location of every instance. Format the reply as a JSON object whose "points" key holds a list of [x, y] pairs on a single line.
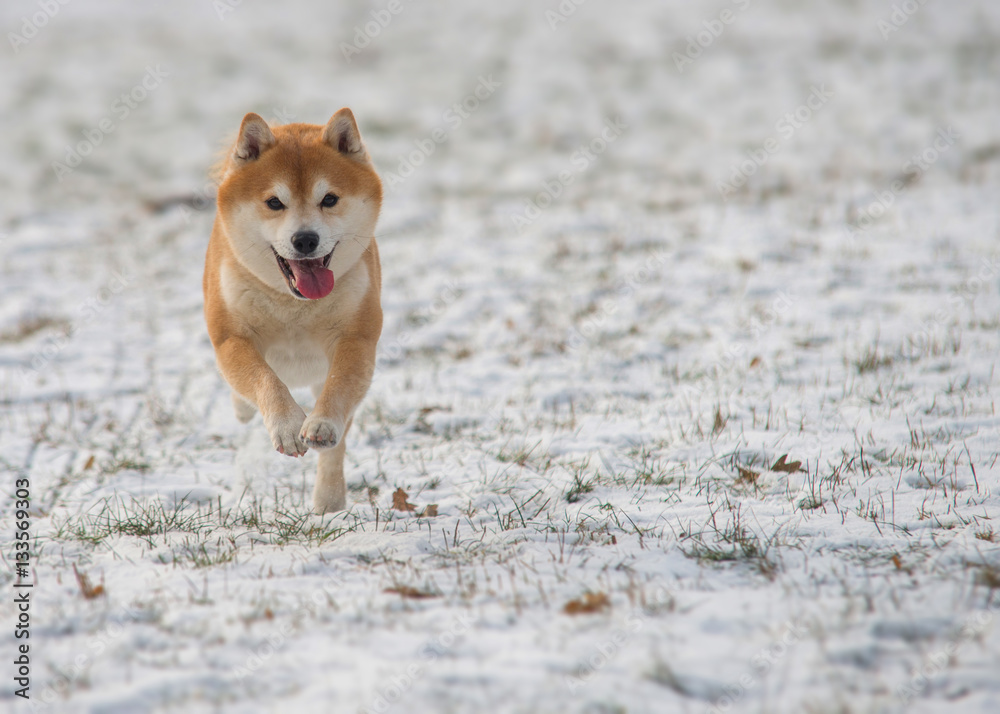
{"points": [[594, 397]]}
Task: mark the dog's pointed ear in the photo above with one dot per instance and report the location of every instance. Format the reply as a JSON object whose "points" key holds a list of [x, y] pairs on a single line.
{"points": [[342, 134], [254, 139]]}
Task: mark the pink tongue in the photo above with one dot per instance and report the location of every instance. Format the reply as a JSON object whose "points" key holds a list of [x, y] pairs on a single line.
{"points": [[311, 278]]}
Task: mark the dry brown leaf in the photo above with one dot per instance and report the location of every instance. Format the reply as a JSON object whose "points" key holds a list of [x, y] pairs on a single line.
{"points": [[424, 411], [746, 476], [429, 512], [589, 603], [89, 464], [897, 561], [411, 592], [86, 589], [755, 362], [399, 501], [782, 465], [989, 577]]}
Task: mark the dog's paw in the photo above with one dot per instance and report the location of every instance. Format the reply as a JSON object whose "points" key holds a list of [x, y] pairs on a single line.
{"points": [[284, 431], [321, 432], [244, 409]]}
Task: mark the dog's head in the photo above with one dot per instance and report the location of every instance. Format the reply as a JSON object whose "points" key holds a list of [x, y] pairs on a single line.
{"points": [[299, 202]]}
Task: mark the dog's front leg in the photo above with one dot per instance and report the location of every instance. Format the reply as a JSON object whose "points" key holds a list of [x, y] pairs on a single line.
{"points": [[351, 367], [244, 368]]}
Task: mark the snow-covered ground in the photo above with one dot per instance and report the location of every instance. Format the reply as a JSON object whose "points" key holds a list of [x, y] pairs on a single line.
{"points": [[597, 348]]}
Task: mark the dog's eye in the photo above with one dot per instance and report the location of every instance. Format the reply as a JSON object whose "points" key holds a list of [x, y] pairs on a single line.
{"points": [[274, 204], [329, 201]]}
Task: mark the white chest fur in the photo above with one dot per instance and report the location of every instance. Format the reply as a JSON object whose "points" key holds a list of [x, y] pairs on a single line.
{"points": [[297, 359], [287, 332]]}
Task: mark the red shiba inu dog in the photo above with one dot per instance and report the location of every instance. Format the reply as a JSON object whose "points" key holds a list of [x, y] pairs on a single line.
{"points": [[292, 284]]}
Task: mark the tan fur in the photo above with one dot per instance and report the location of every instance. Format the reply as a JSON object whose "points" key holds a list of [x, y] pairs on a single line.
{"points": [[267, 340]]}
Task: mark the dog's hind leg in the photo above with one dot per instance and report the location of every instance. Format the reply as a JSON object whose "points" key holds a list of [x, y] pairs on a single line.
{"points": [[244, 409], [330, 493]]}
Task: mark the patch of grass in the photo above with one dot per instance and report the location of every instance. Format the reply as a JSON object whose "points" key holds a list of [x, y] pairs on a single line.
{"points": [[520, 455], [125, 463], [648, 470], [871, 360], [810, 503], [745, 548], [152, 520], [136, 518], [599, 533], [204, 555], [733, 543], [522, 514], [986, 534], [581, 485], [120, 459]]}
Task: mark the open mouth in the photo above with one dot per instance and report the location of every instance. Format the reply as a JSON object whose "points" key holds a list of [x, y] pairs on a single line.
{"points": [[309, 279]]}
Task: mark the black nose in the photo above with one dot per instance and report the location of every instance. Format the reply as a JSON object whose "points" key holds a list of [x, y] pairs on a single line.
{"points": [[305, 241]]}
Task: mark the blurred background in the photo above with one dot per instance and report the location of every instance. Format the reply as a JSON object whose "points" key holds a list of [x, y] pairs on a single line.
{"points": [[693, 105]]}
